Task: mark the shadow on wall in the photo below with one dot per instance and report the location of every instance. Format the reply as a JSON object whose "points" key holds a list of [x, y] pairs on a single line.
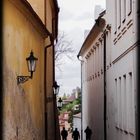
{"points": [[1, 79]]}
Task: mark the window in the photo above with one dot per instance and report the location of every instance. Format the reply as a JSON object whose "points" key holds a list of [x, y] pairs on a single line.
{"points": [[93, 62], [115, 15], [117, 103], [118, 13], [125, 110], [124, 103], [131, 104], [129, 7], [123, 11], [120, 103]]}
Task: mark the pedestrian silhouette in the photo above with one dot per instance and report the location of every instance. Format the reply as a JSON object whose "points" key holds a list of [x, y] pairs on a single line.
{"points": [[64, 134], [75, 134], [88, 133]]}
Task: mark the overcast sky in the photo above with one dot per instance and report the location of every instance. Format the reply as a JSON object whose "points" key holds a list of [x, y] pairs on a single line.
{"points": [[75, 16]]}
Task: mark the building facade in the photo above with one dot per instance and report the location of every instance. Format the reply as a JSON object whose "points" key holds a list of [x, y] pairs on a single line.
{"points": [[109, 76], [121, 53], [92, 65], [29, 108]]}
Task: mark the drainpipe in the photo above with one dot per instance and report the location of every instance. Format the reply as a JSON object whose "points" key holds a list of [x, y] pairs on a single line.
{"points": [[54, 96], [78, 56], [45, 87], [105, 95], [56, 121], [138, 75], [57, 135], [137, 93]]}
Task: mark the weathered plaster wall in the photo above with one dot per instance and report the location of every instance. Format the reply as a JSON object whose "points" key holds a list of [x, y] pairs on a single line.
{"points": [[23, 104], [121, 74]]}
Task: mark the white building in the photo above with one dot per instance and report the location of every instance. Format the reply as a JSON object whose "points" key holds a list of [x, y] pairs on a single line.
{"points": [[121, 69], [92, 80], [108, 59]]}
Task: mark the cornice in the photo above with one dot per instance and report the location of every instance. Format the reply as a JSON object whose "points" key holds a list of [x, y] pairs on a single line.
{"points": [[26, 9]]}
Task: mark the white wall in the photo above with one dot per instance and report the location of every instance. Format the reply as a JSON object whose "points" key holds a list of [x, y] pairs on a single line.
{"points": [[77, 124], [92, 89], [121, 75]]}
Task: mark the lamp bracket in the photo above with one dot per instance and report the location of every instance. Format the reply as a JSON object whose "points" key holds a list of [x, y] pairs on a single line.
{"points": [[22, 79]]}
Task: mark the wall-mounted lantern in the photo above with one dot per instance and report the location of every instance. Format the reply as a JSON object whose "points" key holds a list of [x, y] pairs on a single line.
{"points": [[59, 103], [56, 88], [31, 63]]}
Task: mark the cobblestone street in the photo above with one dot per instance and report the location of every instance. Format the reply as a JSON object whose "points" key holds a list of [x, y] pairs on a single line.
{"points": [[69, 136]]}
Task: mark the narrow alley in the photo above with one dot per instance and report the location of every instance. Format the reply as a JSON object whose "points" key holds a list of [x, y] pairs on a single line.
{"points": [[70, 70]]}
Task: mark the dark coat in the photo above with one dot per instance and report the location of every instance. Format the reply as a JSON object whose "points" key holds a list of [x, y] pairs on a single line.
{"points": [[88, 133], [64, 133], [75, 135]]}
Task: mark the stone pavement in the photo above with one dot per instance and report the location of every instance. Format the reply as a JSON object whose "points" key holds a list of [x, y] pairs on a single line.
{"points": [[69, 136]]}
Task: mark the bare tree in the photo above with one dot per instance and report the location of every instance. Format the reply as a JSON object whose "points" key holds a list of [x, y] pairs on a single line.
{"points": [[63, 48]]}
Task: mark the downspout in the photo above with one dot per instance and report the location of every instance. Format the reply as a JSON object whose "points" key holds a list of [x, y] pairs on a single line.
{"points": [[45, 83], [45, 87], [105, 98], [54, 96], [56, 119], [137, 122], [45, 74], [55, 30], [81, 98], [138, 75]]}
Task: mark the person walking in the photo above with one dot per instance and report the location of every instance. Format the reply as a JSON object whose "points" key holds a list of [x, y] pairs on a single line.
{"points": [[75, 134], [64, 134], [88, 132]]}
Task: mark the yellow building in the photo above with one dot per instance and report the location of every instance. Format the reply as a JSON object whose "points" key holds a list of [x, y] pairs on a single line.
{"points": [[29, 110]]}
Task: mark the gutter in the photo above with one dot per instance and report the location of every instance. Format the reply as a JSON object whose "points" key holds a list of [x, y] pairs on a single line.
{"points": [[45, 87], [57, 135], [137, 112], [105, 94], [81, 98]]}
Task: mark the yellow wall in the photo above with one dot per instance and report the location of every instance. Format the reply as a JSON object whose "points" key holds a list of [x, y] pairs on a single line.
{"points": [[38, 6], [49, 15], [24, 103], [51, 118]]}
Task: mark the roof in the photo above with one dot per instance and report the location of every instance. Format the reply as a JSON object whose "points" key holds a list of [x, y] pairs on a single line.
{"points": [[93, 32]]}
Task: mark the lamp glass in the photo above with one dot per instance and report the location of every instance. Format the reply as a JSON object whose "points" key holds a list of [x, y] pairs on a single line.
{"points": [[59, 104], [56, 88], [31, 62]]}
